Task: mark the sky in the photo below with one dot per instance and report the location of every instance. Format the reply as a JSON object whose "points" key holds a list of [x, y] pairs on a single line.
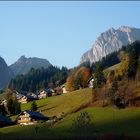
{"points": [[59, 31]]}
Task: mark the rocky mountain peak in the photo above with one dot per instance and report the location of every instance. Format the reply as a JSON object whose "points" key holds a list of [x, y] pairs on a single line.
{"points": [[22, 58], [5, 74], [110, 41], [24, 64]]}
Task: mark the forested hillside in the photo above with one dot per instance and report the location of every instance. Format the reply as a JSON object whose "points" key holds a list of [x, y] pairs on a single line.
{"points": [[38, 79]]}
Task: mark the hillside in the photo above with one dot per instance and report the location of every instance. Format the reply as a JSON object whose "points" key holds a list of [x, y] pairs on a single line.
{"points": [[5, 74], [66, 103], [54, 106], [114, 67], [106, 120], [37, 79]]}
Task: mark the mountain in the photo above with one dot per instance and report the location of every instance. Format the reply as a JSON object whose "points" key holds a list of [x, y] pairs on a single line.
{"points": [[5, 74], [110, 41], [23, 64]]}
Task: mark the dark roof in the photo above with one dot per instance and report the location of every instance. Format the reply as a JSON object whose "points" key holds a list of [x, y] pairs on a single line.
{"points": [[19, 96], [50, 90], [36, 115], [31, 97], [90, 79], [5, 120], [32, 94]]}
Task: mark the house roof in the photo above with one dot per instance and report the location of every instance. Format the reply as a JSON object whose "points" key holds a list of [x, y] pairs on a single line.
{"points": [[19, 96], [50, 90], [5, 119], [32, 94], [90, 79]]}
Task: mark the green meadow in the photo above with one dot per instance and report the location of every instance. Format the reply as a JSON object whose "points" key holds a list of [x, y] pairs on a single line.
{"points": [[107, 120]]}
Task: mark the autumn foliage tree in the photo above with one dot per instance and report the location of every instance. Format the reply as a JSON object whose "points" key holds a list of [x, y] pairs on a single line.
{"points": [[78, 78], [69, 83]]}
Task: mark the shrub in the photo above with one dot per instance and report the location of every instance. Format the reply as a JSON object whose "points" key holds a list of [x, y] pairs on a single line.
{"points": [[82, 124]]}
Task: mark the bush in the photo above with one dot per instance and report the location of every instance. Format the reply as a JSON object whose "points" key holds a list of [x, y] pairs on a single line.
{"points": [[82, 124], [33, 106]]}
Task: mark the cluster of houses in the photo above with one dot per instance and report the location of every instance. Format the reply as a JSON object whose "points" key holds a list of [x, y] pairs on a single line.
{"points": [[29, 117], [24, 97]]}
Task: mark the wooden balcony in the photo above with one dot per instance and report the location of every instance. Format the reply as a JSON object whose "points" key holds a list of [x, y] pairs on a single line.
{"points": [[24, 121]]}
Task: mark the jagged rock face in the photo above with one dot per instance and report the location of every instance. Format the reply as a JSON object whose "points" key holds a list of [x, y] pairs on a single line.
{"points": [[110, 41], [23, 64], [5, 74]]}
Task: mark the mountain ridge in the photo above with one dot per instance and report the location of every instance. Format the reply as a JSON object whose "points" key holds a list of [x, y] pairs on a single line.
{"points": [[24, 64], [5, 74], [110, 41]]}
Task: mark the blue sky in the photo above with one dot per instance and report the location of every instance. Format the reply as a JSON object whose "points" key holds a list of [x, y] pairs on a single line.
{"points": [[59, 31]]}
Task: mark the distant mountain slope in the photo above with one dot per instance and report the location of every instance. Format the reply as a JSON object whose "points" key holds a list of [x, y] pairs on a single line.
{"points": [[5, 74], [110, 41], [23, 64]]}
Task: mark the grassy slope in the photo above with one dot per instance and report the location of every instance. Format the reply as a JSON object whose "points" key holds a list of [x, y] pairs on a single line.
{"points": [[107, 120], [55, 105], [106, 71]]}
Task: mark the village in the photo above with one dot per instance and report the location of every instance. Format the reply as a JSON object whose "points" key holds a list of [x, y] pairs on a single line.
{"points": [[30, 117]]}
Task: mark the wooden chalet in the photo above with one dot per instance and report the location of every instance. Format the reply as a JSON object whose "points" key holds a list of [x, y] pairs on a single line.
{"points": [[42, 94], [30, 117]]}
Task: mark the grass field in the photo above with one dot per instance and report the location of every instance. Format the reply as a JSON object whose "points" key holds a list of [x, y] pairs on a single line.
{"points": [[55, 105], [106, 71], [106, 120], [66, 103], [109, 120]]}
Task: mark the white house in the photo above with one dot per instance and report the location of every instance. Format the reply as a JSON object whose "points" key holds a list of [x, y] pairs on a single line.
{"points": [[42, 94], [64, 89], [90, 82]]}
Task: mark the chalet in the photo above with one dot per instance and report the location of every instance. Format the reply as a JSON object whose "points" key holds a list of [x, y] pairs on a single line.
{"points": [[25, 97], [5, 121], [64, 89], [4, 102], [32, 95], [22, 98], [42, 94], [90, 82], [50, 92], [30, 117]]}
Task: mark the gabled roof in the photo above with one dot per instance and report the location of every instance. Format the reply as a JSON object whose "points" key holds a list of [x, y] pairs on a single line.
{"points": [[50, 90], [37, 114], [31, 94], [90, 79], [19, 96]]}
